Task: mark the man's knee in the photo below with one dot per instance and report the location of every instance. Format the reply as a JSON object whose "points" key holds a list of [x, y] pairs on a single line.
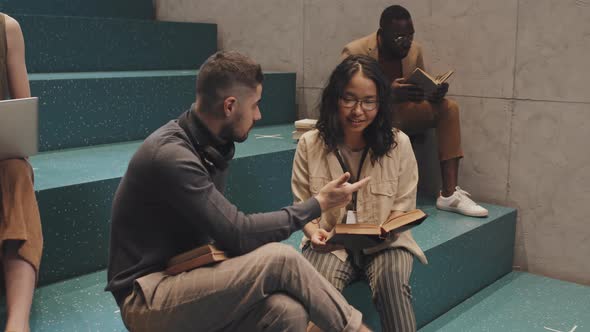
{"points": [[283, 313], [450, 108], [15, 167], [277, 250], [16, 170]]}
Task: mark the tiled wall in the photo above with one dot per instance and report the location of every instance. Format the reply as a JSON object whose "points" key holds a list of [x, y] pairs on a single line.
{"points": [[522, 80]]}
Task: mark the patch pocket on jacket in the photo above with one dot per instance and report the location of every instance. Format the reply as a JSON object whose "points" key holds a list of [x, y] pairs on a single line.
{"points": [[383, 196], [384, 188]]}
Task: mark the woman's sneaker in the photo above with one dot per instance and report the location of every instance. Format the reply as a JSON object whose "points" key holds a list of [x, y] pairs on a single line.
{"points": [[460, 202]]}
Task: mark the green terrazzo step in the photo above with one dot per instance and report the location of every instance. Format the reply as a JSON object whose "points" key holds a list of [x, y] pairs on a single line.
{"points": [[95, 310], [86, 179], [137, 9], [520, 302], [465, 255], [71, 44], [75, 190], [78, 304], [91, 108]]}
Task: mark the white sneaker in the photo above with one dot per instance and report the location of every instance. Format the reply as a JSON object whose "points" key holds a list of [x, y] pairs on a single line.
{"points": [[460, 202]]}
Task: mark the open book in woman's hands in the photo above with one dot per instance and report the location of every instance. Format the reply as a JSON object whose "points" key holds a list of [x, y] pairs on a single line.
{"points": [[361, 236]]}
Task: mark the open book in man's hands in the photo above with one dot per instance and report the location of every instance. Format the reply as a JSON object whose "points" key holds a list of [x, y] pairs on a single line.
{"points": [[203, 255], [428, 83], [361, 236]]}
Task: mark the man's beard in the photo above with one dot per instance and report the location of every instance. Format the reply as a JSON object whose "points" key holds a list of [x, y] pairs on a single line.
{"points": [[240, 139], [228, 134], [397, 53], [390, 51]]}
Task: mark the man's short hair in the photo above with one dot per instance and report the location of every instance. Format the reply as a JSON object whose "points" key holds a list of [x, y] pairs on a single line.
{"points": [[223, 71], [395, 12]]}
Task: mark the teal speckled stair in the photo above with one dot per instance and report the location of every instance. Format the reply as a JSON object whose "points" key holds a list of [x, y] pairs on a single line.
{"points": [[521, 302], [431, 286], [138, 9], [91, 108], [77, 304], [72, 44]]}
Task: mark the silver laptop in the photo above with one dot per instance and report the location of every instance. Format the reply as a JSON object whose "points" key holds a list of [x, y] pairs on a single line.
{"points": [[19, 128]]}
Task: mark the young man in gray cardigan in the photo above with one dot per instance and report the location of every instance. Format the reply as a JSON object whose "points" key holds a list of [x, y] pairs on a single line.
{"points": [[171, 200]]}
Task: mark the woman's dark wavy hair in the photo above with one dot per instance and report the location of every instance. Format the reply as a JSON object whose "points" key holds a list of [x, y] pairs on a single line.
{"points": [[379, 135]]}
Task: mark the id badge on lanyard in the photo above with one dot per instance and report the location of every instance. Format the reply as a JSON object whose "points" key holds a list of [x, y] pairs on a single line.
{"points": [[351, 217]]}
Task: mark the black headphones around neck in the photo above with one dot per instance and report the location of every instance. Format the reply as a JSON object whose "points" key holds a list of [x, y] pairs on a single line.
{"points": [[211, 157]]}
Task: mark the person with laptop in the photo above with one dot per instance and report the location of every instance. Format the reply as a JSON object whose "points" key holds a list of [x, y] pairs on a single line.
{"points": [[21, 239]]}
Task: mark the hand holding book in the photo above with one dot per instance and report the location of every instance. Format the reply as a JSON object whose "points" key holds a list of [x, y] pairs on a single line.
{"points": [[362, 236], [403, 91], [435, 88], [319, 241], [438, 95], [420, 85]]}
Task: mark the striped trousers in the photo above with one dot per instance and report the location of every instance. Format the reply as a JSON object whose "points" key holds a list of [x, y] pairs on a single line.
{"points": [[388, 274]]}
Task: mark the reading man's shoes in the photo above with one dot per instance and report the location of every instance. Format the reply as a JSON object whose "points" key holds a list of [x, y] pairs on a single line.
{"points": [[460, 202]]}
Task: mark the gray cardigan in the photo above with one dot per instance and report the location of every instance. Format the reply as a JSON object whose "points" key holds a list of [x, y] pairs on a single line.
{"points": [[169, 202]]}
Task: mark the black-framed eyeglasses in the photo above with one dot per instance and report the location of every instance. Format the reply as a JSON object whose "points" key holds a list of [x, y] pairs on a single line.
{"points": [[366, 105]]}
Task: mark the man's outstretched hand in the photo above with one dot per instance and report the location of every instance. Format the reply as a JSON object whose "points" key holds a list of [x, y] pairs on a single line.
{"points": [[338, 192]]}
